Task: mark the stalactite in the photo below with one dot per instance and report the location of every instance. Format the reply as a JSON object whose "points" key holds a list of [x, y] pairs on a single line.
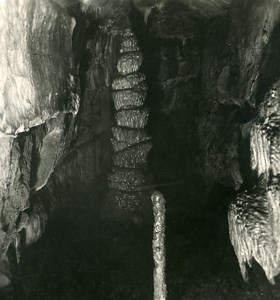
{"points": [[251, 232], [254, 218], [131, 143]]}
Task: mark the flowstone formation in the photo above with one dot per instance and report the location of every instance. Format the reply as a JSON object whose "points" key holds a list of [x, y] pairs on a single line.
{"points": [[131, 142], [254, 217]]}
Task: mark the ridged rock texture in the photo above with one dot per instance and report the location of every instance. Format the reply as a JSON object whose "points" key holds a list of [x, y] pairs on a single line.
{"points": [[254, 217], [131, 143], [33, 68], [39, 102]]}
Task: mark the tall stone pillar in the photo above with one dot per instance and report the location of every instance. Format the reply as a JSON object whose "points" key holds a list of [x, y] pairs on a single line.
{"points": [[130, 141]]}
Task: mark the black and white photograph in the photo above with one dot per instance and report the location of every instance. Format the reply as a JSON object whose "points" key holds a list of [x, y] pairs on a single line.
{"points": [[140, 149]]}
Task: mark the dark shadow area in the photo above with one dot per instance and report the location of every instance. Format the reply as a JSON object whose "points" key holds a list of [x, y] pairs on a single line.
{"points": [[81, 257]]}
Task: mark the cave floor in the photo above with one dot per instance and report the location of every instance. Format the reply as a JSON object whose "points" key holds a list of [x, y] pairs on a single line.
{"points": [[80, 257]]}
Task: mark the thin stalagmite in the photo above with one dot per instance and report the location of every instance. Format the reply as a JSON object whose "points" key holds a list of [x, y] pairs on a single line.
{"points": [[158, 202]]}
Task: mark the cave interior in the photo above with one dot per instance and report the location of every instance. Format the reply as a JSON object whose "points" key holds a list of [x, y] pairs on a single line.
{"points": [[205, 133]]}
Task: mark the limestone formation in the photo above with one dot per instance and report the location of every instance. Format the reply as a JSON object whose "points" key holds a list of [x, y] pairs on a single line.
{"points": [[123, 203], [118, 146], [128, 44], [130, 135], [39, 101], [127, 179], [126, 99], [35, 72], [133, 118], [209, 65], [251, 233], [128, 82], [129, 62], [133, 157], [254, 217], [130, 141]]}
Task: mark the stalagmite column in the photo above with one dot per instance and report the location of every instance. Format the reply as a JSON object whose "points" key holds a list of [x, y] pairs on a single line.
{"points": [[160, 291], [254, 217], [130, 141]]}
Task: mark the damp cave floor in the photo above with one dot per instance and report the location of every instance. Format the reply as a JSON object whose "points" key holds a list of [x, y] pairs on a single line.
{"points": [[81, 257]]}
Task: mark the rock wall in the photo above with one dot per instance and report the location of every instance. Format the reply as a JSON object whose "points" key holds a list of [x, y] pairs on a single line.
{"points": [[229, 80], [254, 214], [211, 81], [39, 101], [36, 71], [56, 149], [172, 63], [204, 82]]}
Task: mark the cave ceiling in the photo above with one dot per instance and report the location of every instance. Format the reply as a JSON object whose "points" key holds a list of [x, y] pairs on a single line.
{"points": [[204, 8]]}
